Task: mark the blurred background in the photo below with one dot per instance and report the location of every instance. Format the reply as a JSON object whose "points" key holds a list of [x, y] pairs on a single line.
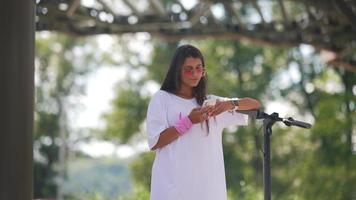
{"points": [[98, 62]]}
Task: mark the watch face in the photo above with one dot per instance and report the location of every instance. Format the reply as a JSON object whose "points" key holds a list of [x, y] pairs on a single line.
{"points": [[236, 102]]}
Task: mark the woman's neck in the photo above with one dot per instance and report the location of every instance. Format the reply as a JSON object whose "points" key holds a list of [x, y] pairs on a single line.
{"points": [[186, 93]]}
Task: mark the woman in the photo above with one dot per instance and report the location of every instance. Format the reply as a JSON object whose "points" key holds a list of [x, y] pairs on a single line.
{"points": [[187, 136]]}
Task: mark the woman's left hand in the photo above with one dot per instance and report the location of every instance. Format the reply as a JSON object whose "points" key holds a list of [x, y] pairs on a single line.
{"points": [[220, 107]]}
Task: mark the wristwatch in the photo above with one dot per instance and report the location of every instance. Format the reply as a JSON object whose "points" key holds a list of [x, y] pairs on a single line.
{"points": [[235, 101]]}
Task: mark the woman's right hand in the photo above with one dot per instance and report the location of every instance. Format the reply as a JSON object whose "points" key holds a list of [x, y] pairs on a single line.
{"points": [[198, 115]]}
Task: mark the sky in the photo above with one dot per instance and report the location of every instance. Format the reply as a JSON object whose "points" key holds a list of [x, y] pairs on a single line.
{"points": [[98, 95]]}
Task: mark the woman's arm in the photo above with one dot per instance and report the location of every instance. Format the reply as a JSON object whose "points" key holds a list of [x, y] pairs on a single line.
{"points": [[248, 104], [243, 104], [167, 136]]}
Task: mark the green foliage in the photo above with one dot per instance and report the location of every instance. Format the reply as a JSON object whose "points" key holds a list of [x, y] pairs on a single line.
{"points": [[306, 164], [329, 168], [163, 52], [141, 168], [139, 193], [129, 110], [62, 64], [105, 178]]}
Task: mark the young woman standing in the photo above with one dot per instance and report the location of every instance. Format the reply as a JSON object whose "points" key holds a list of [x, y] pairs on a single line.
{"points": [[186, 135]]}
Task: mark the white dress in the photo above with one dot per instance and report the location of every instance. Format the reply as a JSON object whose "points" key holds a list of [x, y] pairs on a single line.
{"points": [[192, 166]]}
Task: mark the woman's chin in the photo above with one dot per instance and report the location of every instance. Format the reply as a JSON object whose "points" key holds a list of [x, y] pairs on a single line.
{"points": [[195, 84]]}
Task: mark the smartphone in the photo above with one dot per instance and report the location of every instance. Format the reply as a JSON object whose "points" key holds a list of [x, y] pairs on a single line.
{"points": [[209, 102]]}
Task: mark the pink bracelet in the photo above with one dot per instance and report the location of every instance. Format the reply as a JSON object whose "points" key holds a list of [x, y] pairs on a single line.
{"points": [[183, 125]]}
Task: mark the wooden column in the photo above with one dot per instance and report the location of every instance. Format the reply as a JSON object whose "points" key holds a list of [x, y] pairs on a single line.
{"points": [[17, 30]]}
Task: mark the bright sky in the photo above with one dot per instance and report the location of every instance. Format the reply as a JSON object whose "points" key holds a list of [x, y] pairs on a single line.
{"points": [[97, 148], [99, 93]]}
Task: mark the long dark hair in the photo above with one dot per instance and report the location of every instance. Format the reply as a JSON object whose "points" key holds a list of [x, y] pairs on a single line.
{"points": [[172, 81]]}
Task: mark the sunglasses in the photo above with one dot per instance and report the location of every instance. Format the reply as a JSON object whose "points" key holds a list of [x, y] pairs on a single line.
{"points": [[190, 71]]}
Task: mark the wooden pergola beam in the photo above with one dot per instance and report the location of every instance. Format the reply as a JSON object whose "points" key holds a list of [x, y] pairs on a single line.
{"points": [[283, 11], [257, 7], [158, 6], [73, 7], [106, 7], [347, 12], [133, 9], [229, 7], [319, 27]]}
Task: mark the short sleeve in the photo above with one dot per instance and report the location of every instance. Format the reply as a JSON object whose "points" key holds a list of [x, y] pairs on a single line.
{"points": [[156, 121], [233, 118]]}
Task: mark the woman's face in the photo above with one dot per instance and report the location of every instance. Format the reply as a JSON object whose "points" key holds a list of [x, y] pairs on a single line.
{"points": [[191, 72]]}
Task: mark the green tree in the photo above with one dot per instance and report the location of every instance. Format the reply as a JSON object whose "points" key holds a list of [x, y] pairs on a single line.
{"points": [[231, 67], [128, 113], [304, 162], [62, 64], [326, 161]]}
